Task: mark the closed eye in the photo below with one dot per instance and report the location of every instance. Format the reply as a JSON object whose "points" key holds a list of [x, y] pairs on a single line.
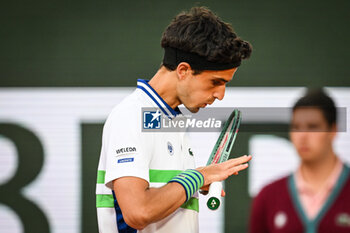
{"points": [[218, 81]]}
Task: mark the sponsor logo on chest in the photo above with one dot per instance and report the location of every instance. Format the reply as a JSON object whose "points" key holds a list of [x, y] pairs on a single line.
{"points": [[170, 148], [343, 220], [280, 219], [125, 150]]}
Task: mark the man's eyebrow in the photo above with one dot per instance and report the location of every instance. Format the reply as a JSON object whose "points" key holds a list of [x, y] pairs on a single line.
{"points": [[221, 79]]}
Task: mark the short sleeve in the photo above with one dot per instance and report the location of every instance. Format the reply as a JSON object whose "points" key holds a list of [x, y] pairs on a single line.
{"points": [[126, 148]]}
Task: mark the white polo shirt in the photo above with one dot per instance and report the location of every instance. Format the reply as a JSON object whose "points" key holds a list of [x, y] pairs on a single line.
{"points": [[153, 156]]}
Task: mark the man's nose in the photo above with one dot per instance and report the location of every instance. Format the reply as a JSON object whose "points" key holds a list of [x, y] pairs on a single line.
{"points": [[220, 92]]}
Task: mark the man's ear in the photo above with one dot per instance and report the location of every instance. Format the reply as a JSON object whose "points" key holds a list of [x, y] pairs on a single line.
{"points": [[183, 70], [334, 130]]}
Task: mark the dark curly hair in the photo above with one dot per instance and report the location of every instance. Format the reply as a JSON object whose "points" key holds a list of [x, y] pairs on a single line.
{"points": [[202, 32], [317, 98]]}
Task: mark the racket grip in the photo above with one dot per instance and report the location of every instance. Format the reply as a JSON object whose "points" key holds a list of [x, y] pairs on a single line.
{"points": [[214, 195]]}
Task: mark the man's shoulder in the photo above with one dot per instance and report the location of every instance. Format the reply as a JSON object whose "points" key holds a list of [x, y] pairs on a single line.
{"points": [[130, 105], [132, 102], [127, 112]]}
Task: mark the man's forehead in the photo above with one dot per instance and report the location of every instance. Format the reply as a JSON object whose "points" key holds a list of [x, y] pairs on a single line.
{"points": [[308, 110], [309, 114]]}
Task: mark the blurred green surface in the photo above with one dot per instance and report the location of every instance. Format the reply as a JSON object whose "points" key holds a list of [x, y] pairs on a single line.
{"points": [[112, 43]]}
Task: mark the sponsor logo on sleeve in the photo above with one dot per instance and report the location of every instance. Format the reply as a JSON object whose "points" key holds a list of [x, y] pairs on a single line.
{"points": [[126, 160], [126, 150]]}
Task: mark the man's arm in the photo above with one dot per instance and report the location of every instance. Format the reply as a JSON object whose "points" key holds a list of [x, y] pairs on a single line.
{"points": [[142, 205]]}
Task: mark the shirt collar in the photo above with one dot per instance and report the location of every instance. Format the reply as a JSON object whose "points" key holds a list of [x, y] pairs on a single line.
{"points": [[304, 187], [155, 97]]}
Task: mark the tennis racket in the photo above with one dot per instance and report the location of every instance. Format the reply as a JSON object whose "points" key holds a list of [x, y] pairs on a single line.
{"points": [[220, 153]]}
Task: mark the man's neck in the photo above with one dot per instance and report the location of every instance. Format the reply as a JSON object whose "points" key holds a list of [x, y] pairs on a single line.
{"points": [[315, 173], [164, 83]]}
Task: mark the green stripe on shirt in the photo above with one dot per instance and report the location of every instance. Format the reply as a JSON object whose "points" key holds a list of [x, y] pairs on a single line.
{"points": [[104, 201], [162, 176], [101, 176], [155, 176], [192, 204]]}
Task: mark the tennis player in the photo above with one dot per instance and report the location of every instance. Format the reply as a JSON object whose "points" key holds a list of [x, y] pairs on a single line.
{"points": [[315, 198], [147, 181]]}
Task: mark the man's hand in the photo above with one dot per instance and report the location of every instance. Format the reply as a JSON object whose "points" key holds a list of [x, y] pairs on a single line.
{"points": [[221, 171]]}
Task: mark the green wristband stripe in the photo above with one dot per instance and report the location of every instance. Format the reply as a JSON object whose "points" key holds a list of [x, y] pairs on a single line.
{"points": [[101, 176], [199, 176], [191, 180], [190, 184], [104, 201], [184, 184], [187, 187], [195, 177], [194, 180]]}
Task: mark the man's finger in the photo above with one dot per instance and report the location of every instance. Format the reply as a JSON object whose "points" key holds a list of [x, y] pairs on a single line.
{"points": [[223, 193], [238, 168], [238, 161]]}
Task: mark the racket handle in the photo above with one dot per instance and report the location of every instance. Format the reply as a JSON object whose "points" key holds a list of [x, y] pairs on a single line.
{"points": [[214, 195]]}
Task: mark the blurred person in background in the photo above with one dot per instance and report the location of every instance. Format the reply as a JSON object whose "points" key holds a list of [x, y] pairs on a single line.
{"points": [[316, 197]]}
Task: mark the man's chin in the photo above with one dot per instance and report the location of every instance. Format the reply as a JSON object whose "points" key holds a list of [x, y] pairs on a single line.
{"points": [[307, 157], [193, 110]]}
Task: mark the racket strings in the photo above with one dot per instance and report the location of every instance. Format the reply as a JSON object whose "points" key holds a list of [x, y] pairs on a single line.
{"points": [[223, 146]]}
